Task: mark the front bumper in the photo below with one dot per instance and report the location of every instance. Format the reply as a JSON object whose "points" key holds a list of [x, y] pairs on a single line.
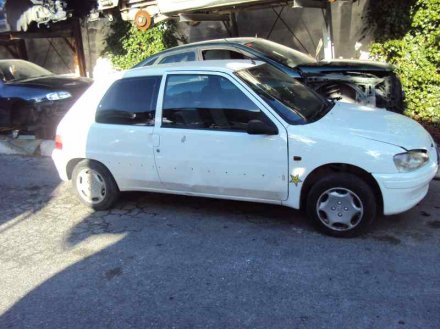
{"points": [[402, 191]]}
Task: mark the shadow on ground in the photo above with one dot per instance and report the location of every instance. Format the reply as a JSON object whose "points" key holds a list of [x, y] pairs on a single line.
{"points": [[33, 181], [182, 262]]}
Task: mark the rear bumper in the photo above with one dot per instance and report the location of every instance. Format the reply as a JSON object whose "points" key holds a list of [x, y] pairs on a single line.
{"points": [[60, 164], [403, 191]]}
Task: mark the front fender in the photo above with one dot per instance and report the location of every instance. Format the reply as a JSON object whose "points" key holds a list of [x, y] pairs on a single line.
{"points": [[315, 149]]}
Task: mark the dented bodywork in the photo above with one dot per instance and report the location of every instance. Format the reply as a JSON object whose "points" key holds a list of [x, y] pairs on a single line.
{"points": [[22, 13], [367, 83], [160, 10], [34, 101], [377, 89]]}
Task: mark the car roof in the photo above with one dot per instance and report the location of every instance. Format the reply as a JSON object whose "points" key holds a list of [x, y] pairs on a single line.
{"points": [[226, 66], [207, 43], [224, 40], [9, 60]]}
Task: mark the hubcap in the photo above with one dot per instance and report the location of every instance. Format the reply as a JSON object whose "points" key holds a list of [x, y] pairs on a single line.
{"points": [[339, 209], [91, 186]]}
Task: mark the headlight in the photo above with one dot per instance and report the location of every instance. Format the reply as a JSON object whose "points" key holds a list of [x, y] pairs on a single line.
{"points": [[56, 96], [410, 160]]}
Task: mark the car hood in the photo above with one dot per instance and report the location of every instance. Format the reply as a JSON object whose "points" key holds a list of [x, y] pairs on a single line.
{"points": [[341, 65], [55, 82], [377, 125]]}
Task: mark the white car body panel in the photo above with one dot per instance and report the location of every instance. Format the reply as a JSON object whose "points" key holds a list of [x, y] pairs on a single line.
{"points": [[239, 166], [223, 163], [349, 134]]}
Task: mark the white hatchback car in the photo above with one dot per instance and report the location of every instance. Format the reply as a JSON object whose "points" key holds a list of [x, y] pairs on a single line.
{"points": [[243, 130]]}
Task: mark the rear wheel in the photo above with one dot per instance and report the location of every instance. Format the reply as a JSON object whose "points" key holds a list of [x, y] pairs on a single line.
{"points": [[94, 185], [341, 205]]}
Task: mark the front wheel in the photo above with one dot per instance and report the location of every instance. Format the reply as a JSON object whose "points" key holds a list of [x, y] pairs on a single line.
{"points": [[94, 185], [341, 205]]}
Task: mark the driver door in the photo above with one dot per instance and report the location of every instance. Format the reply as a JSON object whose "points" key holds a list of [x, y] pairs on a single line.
{"points": [[203, 145]]}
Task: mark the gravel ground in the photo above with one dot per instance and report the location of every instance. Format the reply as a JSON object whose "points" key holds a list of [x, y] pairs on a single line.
{"points": [[163, 261]]}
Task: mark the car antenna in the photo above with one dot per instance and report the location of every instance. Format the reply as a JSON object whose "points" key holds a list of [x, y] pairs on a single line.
{"points": [[251, 59]]}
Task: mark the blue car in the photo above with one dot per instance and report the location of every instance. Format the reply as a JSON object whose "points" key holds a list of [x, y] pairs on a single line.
{"points": [[33, 99]]}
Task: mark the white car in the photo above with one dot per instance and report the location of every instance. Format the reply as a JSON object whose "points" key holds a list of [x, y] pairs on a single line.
{"points": [[243, 130]]}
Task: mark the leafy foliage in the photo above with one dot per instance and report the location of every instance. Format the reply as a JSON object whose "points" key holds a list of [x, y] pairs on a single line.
{"points": [[408, 35], [127, 46]]}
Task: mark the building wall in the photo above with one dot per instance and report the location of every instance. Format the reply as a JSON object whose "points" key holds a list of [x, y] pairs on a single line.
{"points": [[55, 55], [302, 29], [352, 37], [4, 54]]}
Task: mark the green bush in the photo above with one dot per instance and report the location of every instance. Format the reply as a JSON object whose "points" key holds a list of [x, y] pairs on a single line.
{"points": [[408, 35], [127, 46]]}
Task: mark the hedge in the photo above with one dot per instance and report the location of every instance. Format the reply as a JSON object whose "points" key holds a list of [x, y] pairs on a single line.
{"points": [[407, 35], [127, 46]]}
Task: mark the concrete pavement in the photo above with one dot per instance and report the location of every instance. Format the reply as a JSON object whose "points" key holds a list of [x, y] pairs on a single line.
{"points": [[163, 261]]}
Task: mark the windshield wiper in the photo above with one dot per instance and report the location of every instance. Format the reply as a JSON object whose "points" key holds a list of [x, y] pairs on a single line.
{"points": [[325, 108]]}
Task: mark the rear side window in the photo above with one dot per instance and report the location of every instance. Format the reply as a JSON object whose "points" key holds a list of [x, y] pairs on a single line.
{"points": [[181, 57], [215, 54], [130, 101]]}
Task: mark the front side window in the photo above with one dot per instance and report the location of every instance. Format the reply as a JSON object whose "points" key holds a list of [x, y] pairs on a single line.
{"points": [[181, 57], [207, 102], [130, 101]]}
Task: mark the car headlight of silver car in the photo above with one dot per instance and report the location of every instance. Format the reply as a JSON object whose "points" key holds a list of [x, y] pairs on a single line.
{"points": [[411, 160], [58, 95]]}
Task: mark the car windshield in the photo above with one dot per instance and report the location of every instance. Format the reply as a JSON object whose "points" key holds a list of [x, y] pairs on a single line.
{"points": [[285, 55], [294, 102], [15, 70]]}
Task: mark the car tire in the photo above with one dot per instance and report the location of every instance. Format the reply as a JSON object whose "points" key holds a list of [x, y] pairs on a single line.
{"points": [[341, 205], [94, 185]]}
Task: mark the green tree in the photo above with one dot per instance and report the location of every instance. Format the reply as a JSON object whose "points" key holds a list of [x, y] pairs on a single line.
{"points": [[407, 35], [127, 46]]}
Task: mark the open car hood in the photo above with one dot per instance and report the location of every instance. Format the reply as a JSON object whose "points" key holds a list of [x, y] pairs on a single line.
{"points": [[55, 82], [345, 65]]}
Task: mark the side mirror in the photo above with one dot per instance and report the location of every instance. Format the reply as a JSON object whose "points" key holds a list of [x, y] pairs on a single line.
{"points": [[258, 127]]}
